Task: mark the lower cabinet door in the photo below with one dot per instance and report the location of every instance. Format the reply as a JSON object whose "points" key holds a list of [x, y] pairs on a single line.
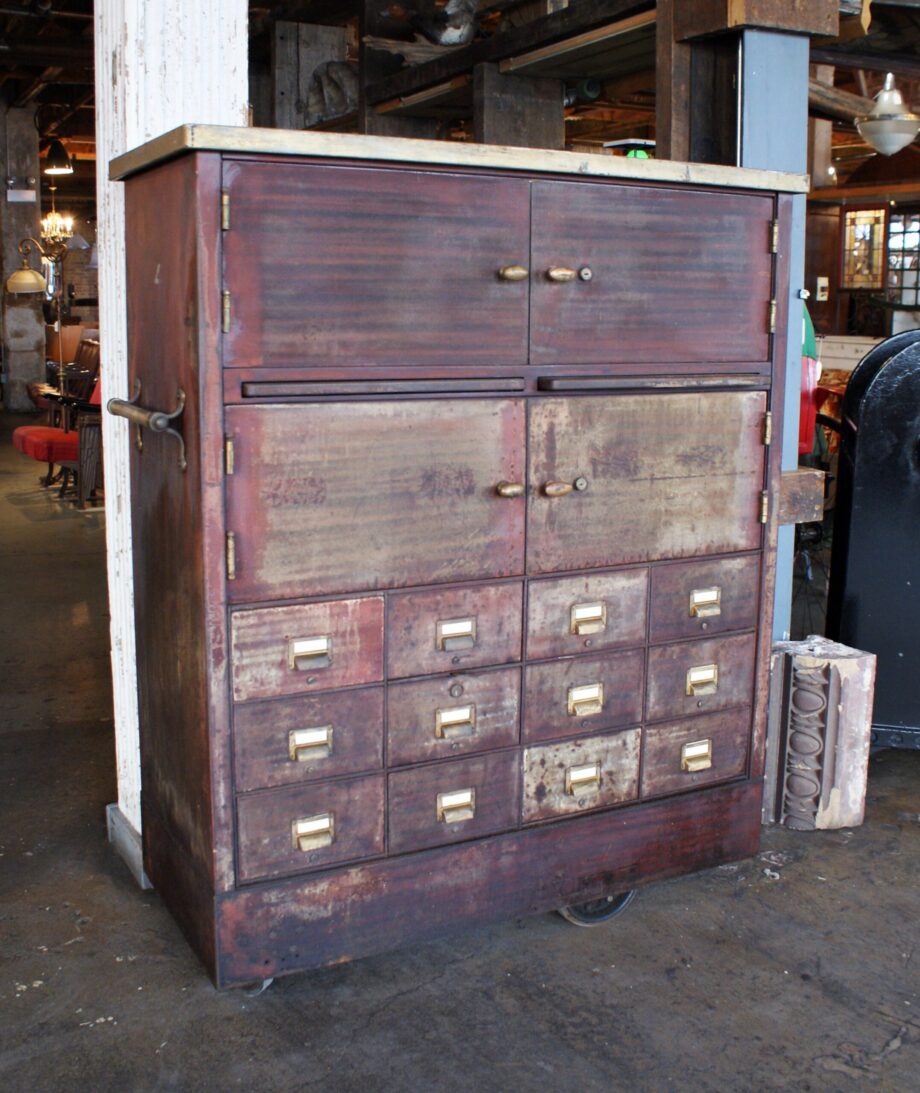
{"points": [[450, 802], [681, 755], [580, 775], [581, 695], [305, 827], [441, 718]]}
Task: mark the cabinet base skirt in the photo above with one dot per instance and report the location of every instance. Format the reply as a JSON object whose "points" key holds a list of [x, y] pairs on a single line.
{"points": [[343, 914]]}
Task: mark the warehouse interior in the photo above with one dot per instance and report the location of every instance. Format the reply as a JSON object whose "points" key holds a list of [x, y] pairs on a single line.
{"points": [[791, 968]]}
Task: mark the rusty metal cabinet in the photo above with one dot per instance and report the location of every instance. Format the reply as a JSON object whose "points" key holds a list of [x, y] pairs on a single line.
{"points": [[461, 588]]}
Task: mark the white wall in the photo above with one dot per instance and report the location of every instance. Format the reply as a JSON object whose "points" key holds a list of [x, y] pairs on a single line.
{"points": [[158, 65]]}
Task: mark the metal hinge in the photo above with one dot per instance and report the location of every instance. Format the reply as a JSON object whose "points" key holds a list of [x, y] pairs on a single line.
{"points": [[224, 210], [774, 236], [225, 311], [228, 455], [771, 324], [767, 429], [231, 556], [764, 507]]}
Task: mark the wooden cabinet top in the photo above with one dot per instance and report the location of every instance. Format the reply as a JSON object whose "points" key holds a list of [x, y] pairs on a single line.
{"points": [[233, 140]]}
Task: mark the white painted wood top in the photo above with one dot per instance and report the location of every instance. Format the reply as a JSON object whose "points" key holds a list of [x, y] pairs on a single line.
{"points": [[234, 139]]}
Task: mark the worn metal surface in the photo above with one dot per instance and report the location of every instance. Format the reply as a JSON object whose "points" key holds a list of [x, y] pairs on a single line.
{"points": [[668, 476], [737, 581], [491, 701], [550, 789], [386, 494]]}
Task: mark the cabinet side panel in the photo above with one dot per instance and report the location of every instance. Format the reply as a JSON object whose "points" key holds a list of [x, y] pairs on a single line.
{"points": [[162, 300]]}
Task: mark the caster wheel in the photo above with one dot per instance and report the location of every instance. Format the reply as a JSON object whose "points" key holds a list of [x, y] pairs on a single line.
{"points": [[597, 911]]}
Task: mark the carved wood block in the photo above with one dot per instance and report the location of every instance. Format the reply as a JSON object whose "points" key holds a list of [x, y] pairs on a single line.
{"points": [[820, 725]]}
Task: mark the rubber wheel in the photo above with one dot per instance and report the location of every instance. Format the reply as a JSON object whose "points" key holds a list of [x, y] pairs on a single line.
{"points": [[596, 911]]}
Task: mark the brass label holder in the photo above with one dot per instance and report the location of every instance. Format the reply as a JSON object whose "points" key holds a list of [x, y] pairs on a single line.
{"points": [[588, 618], [586, 700], [455, 722], [703, 680], [305, 745], [696, 755], [705, 603], [454, 634], [305, 654], [456, 806], [313, 832], [583, 779]]}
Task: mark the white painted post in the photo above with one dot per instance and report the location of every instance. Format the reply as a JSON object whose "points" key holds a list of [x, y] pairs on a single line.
{"points": [[157, 66]]}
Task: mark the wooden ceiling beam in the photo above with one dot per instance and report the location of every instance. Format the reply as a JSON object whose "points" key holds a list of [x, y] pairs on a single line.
{"points": [[832, 102], [901, 64]]}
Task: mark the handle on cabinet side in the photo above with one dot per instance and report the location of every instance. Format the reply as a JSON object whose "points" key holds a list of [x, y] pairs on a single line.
{"points": [[158, 421]]}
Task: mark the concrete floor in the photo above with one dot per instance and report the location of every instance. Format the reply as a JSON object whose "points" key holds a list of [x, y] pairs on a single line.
{"points": [[801, 978]]}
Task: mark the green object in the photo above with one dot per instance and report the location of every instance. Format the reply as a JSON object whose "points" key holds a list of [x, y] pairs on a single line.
{"points": [[809, 341], [638, 153]]}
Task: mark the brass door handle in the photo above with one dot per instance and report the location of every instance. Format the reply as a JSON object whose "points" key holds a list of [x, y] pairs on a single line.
{"points": [[557, 489], [561, 274], [514, 273], [510, 489]]}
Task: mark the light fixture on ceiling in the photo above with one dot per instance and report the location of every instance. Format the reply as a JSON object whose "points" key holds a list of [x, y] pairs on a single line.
{"points": [[57, 161], [56, 227], [888, 126]]}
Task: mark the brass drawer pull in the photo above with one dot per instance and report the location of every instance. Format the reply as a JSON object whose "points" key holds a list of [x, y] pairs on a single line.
{"points": [[305, 745], [453, 634], [456, 806], [457, 721], [588, 618], [705, 603], [582, 780], [586, 700], [703, 680], [557, 489], [696, 755], [510, 489], [514, 273], [313, 832], [305, 654], [561, 274]]}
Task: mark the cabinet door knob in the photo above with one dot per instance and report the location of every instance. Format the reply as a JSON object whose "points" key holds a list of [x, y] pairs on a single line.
{"points": [[557, 489], [510, 489], [514, 273], [561, 274]]}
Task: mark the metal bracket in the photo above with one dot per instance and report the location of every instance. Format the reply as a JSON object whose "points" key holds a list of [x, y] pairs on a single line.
{"points": [[156, 420]]}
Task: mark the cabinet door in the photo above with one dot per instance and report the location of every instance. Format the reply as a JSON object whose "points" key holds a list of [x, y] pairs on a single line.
{"points": [[345, 265], [353, 496], [674, 275], [665, 476]]}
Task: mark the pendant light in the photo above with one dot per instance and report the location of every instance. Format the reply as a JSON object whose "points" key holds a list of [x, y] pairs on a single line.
{"points": [[888, 126], [57, 161]]}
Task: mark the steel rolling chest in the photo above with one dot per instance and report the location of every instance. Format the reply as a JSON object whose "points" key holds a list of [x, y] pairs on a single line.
{"points": [[453, 570]]}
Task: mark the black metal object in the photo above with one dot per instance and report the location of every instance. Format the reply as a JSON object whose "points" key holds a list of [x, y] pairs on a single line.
{"points": [[874, 593]]}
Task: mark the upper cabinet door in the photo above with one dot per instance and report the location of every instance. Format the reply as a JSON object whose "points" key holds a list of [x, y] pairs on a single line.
{"points": [[346, 497], [345, 266], [633, 478], [658, 276]]}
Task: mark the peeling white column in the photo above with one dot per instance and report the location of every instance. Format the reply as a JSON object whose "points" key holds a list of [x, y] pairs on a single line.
{"points": [[158, 65]]}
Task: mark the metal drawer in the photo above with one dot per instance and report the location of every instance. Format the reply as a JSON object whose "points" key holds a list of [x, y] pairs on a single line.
{"points": [[680, 755], [451, 629], [580, 775], [450, 802], [589, 613], [292, 740], [699, 676], [309, 647], [438, 718], [304, 827], [701, 598]]}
